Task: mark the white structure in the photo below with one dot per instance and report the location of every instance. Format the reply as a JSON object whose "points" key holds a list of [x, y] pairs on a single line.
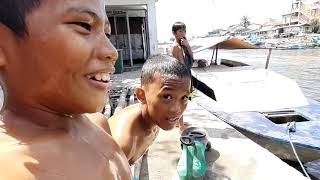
{"points": [[300, 16], [134, 28]]}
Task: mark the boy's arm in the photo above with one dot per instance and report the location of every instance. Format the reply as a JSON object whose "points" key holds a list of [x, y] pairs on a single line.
{"points": [[126, 143], [186, 44], [177, 53], [121, 134], [123, 139]]}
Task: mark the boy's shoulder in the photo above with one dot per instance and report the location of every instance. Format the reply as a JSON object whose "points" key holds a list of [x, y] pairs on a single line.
{"points": [[99, 120], [175, 45], [125, 121], [131, 112]]}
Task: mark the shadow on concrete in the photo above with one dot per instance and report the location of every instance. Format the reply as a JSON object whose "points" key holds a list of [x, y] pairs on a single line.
{"points": [[211, 157], [226, 133], [144, 172]]}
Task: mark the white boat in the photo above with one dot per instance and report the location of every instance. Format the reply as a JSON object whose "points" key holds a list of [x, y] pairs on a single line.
{"points": [[259, 103]]}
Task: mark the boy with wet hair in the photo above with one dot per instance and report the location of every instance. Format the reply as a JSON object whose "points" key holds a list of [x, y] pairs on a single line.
{"points": [[55, 66], [182, 51], [163, 96]]}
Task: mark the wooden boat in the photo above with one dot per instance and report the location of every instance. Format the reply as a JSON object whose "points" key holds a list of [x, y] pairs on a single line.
{"points": [[260, 103], [313, 169], [291, 46]]}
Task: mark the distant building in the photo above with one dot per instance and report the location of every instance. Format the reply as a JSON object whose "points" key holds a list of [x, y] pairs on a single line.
{"points": [[164, 48], [270, 29], [217, 32], [239, 30], [315, 9], [134, 29], [300, 15]]}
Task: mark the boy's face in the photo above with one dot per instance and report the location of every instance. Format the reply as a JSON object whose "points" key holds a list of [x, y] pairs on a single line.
{"points": [[166, 100], [65, 62], [180, 33]]}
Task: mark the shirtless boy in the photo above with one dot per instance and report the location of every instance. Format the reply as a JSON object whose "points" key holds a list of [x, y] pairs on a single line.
{"points": [[55, 66], [163, 96], [182, 51]]}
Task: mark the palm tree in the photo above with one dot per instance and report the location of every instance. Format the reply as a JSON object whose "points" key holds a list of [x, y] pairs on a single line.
{"points": [[315, 24], [245, 21]]}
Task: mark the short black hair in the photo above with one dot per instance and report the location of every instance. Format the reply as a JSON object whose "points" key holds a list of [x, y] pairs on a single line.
{"points": [[178, 25], [13, 14], [164, 65]]}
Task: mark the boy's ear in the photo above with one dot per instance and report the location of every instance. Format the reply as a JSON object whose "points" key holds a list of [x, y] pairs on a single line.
{"points": [[140, 95], [3, 41], [3, 60]]}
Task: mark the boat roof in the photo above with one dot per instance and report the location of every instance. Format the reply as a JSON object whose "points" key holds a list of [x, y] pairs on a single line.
{"points": [[251, 89], [222, 42]]}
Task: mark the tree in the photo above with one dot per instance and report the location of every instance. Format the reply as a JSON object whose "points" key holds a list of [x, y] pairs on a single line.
{"points": [[245, 21], [315, 24]]}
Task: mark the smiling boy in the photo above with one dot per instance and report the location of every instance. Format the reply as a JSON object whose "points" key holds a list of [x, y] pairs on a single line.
{"points": [[55, 66], [163, 96]]}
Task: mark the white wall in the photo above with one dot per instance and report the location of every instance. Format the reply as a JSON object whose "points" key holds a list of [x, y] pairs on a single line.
{"points": [[125, 2], [152, 22], [152, 26]]}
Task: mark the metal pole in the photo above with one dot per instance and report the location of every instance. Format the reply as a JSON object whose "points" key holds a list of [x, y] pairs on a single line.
{"points": [[268, 59], [116, 30], [129, 39], [212, 56], [216, 61]]}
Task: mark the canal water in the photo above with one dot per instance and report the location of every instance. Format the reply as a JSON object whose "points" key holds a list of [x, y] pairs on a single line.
{"points": [[303, 66]]}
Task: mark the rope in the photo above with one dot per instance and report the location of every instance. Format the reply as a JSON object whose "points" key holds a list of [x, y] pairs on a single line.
{"points": [[291, 127]]}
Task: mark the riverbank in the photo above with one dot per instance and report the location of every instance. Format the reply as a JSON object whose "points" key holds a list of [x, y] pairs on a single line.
{"points": [[292, 42]]}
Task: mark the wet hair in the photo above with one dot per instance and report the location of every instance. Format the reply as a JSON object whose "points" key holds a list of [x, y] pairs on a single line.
{"points": [[165, 65], [13, 14], [178, 25]]}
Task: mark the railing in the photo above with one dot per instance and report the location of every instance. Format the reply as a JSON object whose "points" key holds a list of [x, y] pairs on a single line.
{"points": [[304, 19], [306, 13]]}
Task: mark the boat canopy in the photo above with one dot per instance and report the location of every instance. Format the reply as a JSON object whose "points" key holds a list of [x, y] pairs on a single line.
{"points": [[252, 90], [223, 42]]}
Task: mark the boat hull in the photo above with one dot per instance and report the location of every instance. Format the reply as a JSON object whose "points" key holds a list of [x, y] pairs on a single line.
{"points": [[282, 149]]}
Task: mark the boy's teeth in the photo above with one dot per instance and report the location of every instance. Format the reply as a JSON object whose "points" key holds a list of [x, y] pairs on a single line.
{"points": [[98, 77], [104, 77]]}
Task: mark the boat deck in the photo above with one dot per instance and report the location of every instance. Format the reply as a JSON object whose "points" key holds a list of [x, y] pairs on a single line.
{"points": [[220, 68]]}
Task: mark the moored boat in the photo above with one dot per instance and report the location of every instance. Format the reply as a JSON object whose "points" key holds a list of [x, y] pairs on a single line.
{"points": [[261, 103]]}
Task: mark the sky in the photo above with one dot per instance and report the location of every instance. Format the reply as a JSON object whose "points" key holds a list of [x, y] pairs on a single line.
{"points": [[202, 16]]}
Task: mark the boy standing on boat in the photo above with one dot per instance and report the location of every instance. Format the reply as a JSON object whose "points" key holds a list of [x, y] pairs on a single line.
{"points": [[55, 66], [163, 96], [182, 51]]}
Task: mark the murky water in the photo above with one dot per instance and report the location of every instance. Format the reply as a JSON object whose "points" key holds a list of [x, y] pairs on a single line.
{"points": [[303, 66]]}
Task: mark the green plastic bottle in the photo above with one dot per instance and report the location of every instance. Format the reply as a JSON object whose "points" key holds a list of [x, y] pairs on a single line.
{"points": [[185, 163], [199, 167]]}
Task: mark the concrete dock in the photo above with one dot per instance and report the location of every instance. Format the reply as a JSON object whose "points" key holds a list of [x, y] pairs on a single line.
{"points": [[233, 156]]}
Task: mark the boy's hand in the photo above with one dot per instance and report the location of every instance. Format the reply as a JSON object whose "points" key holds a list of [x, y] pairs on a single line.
{"points": [[184, 42], [181, 129]]}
